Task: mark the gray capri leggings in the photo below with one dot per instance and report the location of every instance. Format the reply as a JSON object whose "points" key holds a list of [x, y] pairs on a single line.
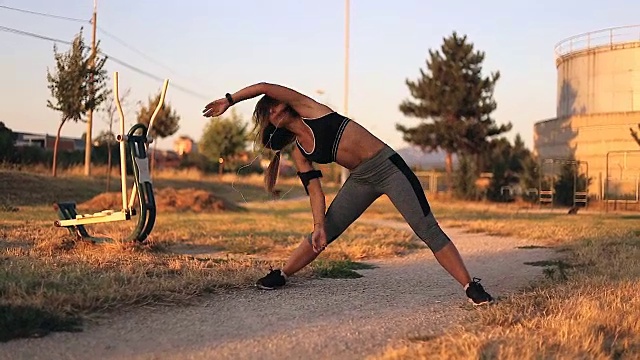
{"points": [[384, 173]]}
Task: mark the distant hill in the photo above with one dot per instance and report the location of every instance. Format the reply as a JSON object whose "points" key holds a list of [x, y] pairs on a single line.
{"points": [[415, 157]]}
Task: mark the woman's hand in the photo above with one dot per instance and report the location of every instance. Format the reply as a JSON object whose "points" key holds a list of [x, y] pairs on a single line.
{"points": [[319, 238], [216, 108]]}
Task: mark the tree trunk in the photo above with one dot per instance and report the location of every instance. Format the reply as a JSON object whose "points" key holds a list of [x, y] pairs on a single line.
{"points": [[221, 161], [479, 164], [451, 120], [108, 165], [55, 151], [448, 162]]}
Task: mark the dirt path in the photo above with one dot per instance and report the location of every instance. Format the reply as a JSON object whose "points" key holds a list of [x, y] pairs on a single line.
{"points": [[310, 319]]}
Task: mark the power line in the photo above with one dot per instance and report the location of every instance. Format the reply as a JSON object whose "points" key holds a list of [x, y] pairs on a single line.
{"points": [[115, 38], [121, 62], [44, 14], [148, 58], [123, 43], [26, 33], [138, 70]]}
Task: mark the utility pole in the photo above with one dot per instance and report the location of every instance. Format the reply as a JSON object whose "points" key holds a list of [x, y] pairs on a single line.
{"points": [[345, 172], [92, 63]]}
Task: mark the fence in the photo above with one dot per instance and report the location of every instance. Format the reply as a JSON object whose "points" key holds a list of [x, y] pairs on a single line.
{"points": [[595, 39], [622, 176], [433, 181]]}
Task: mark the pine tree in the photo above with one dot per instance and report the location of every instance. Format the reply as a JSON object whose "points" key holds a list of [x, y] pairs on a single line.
{"points": [[464, 183], [457, 98], [569, 180]]}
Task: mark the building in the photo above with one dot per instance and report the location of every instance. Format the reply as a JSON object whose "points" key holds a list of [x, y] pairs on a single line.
{"points": [[598, 101], [164, 159], [46, 141], [185, 145]]}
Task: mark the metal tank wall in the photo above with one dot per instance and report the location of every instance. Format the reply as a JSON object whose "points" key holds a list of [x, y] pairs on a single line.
{"points": [[598, 100], [600, 80]]}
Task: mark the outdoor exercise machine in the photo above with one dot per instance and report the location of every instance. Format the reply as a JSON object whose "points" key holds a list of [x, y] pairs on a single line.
{"points": [[546, 182], [138, 138]]}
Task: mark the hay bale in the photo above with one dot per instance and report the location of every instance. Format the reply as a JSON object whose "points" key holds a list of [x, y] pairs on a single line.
{"points": [[111, 200], [168, 199]]}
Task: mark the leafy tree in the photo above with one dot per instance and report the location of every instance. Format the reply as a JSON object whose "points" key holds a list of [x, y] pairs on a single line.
{"points": [[501, 161], [519, 155], [70, 85], [223, 137], [530, 178], [104, 138], [198, 161], [505, 165], [508, 164], [457, 98], [166, 122], [7, 139]]}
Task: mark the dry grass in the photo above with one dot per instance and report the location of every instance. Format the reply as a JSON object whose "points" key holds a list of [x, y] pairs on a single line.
{"points": [[36, 189], [49, 282], [588, 306], [100, 171]]}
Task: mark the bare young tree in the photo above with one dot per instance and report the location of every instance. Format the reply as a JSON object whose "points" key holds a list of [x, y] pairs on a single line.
{"points": [[110, 114]]}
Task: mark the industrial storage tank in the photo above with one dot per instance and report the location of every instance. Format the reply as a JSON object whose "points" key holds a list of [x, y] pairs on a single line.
{"points": [[599, 72], [598, 101]]}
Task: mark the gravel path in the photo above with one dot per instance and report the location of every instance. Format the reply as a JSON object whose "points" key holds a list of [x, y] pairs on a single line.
{"points": [[309, 319]]}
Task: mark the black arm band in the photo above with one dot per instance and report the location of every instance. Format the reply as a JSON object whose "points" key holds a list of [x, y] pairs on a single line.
{"points": [[229, 98], [307, 176]]}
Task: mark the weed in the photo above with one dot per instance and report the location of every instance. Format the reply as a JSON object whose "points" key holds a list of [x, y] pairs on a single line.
{"points": [[338, 269]]}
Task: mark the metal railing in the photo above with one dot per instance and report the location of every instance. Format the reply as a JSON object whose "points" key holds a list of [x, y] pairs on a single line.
{"points": [[596, 39]]}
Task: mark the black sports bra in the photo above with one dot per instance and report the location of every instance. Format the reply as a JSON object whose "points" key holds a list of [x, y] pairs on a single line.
{"points": [[327, 132]]}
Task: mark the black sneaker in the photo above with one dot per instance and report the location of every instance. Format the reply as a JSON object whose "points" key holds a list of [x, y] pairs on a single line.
{"points": [[476, 293], [274, 279]]}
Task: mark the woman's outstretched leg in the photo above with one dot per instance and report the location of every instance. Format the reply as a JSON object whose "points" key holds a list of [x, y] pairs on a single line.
{"points": [[405, 192], [350, 202], [302, 256], [450, 259]]}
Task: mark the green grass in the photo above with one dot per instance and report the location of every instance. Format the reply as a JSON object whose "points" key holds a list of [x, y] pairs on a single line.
{"points": [[30, 321], [339, 269]]}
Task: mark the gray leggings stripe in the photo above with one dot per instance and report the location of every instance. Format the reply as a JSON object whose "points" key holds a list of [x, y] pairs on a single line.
{"points": [[385, 173]]}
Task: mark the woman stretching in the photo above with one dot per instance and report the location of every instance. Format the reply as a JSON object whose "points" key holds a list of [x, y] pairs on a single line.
{"points": [[321, 135]]}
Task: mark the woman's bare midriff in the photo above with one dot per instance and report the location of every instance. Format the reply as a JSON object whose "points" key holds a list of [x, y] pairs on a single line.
{"points": [[357, 145]]}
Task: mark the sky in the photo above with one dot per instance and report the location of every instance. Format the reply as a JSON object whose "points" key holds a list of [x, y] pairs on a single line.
{"points": [[212, 47]]}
